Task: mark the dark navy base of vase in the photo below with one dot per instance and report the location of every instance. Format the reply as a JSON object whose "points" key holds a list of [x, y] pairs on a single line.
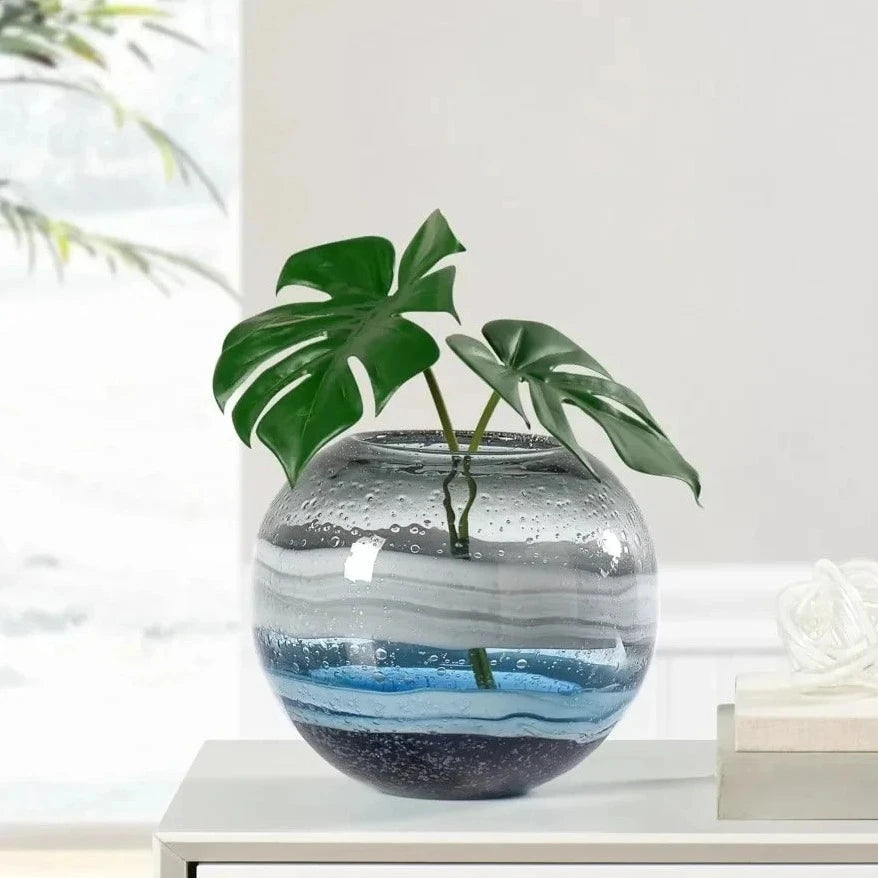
{"points": [[445, 766]]}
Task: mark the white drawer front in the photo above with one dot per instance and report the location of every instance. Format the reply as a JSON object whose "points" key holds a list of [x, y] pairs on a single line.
{"points": [[477, 870]]}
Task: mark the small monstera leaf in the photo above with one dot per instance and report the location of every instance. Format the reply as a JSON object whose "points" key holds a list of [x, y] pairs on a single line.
{"points": [[537, 355], [301, 392]]}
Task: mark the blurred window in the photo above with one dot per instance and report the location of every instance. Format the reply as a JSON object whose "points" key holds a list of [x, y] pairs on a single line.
{"points": [[118, 486]]}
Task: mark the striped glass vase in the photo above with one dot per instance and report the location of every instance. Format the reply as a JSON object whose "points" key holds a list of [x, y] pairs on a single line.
{"points": [[454, 626]]}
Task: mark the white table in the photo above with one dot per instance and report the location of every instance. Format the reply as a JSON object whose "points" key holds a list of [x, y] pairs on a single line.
{"points": [[274, 809]]}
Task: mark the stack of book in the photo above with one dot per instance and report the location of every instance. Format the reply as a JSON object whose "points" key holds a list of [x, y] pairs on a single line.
{"points": [[788, 754]]}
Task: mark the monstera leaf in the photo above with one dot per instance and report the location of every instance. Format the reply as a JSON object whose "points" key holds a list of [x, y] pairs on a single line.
{"points": [[301, 392], [537, 355]]}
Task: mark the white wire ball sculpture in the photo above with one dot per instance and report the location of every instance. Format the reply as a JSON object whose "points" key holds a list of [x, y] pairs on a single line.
{"points": [[829, 626]]}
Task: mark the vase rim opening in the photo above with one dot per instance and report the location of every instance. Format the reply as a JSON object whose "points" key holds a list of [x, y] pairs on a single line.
{"points": [[494, 444]]}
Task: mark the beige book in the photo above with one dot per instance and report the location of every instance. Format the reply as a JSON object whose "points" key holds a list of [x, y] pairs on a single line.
{"points": [[772, 715]]}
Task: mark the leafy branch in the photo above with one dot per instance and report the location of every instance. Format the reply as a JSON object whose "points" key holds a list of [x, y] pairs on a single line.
{"points": [[174, 157], [66, 43], [52, 32], [31, 229]]}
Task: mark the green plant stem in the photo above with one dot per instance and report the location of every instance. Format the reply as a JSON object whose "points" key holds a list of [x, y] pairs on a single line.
{"points": [[478, 656], [474, 443], [449, 510], [442, 410], [481, 665], [479, 431], [463, 524]]}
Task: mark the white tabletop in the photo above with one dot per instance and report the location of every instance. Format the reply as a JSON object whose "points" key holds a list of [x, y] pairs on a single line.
{"points": [[630, 801]]}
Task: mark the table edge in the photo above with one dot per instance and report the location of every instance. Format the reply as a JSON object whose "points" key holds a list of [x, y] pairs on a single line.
{"points": [[704, 848]]}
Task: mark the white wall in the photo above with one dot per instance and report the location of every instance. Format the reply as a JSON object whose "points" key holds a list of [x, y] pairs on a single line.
{"points": [[687, 188]]}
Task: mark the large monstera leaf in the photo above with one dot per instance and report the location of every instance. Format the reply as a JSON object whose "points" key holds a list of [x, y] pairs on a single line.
{"points": [[536, 354], [301, 392]]}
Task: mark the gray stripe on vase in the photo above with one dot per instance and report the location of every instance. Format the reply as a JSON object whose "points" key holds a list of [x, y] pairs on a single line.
{"points": [[403, 605]]}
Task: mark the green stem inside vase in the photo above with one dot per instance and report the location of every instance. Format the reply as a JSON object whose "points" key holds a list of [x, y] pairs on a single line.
{"points": [[459, 539], [478, 659], [474, 443]]}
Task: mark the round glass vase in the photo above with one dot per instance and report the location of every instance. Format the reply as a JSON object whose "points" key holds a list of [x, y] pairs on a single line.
{"points": [[454, 626]]}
